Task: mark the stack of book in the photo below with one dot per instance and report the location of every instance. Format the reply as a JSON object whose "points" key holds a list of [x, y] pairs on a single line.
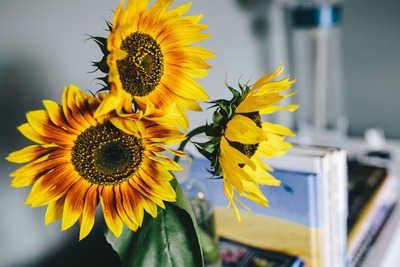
{"points": [[326, 212], [307, 214], [373, 193]]}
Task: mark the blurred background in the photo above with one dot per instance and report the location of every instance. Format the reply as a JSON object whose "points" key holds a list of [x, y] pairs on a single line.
{"points": [[44, 47]]}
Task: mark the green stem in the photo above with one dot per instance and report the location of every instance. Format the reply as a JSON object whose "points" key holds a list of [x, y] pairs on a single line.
{"points": [[196, 131]]}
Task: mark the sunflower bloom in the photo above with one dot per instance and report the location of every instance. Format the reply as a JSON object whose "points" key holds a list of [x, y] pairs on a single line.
{"points": [[150, 59], [81, 160], [247, 139]]}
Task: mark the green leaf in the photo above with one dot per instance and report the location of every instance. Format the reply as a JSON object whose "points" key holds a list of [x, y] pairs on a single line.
{"points": [[171, 239]]}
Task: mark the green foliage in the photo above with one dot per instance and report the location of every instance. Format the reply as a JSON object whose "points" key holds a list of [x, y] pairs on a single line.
{"points": [[171, 239]]}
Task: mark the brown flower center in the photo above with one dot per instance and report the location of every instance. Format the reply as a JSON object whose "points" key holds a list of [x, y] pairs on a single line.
{"points": [[105, 155], [141, 71]]}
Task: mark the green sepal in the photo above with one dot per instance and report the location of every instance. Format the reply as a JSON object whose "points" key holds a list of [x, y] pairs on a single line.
{"points": [[109, 25], [170, 239], [206, 149], [102, 64], [234, 92], [102, 43]]}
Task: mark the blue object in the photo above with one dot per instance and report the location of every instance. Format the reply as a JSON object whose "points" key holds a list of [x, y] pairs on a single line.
{"points": [[324, 16]]}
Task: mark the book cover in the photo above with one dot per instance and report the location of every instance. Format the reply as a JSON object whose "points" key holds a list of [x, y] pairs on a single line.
{"points": [[296, 221]]}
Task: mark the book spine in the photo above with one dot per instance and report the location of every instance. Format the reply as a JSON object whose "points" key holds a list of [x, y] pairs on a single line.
{"points": [[339, 202], [327, 210]]}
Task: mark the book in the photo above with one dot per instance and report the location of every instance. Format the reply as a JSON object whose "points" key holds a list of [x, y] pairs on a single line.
{"points": [[234, 254], [306, 217], [371, 235], [330, 166], [363, 181], [372, 197]]}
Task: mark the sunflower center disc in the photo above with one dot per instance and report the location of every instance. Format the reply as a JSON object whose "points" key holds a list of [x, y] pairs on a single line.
{"points": [[105, 155], [141, 71], [111, 157], [248, 149]]}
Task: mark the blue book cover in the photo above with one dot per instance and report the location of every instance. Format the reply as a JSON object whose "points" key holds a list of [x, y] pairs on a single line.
{"points": [[292, 224]]}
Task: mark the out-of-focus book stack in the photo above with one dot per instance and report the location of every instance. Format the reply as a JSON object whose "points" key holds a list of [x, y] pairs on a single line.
{"points": [[307, 214], [234, 254], [373, 193]]}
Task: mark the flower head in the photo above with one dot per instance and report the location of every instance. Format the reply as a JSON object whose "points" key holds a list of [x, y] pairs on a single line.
{"points": [[239, 139], [81, 160], [149, 58]]}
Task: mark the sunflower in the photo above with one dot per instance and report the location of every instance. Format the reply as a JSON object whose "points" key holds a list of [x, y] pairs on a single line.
{"points": [[80, 161], [149, 58], [239, 139]]}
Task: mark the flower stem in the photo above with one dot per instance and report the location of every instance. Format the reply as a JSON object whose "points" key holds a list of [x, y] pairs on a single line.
{"points": [[196, 131]]}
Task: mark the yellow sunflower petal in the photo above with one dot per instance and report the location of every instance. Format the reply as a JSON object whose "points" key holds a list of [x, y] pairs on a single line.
{"points": [[113, 221], [74, 203], [131, 127], [272, 109], [254, 194], [229, 192], [41, 124], [29, 133], [150, 207], [158, 8], [133, 203], [111, 102], [165, 134], [88, 213], [266, 78], [130, 202], [261, 176], [43, 164], [274, 147], [147, 193], [51, 186], [30, 153], [72, 116], [276, 129], [56, 115], [185, 87], [118, 13], [168, 163], [274, 87], [243, 130], [180, 10], [132, 224], [255, 103], [234, 156], [54, 211], [161, 190], [233, 179]]}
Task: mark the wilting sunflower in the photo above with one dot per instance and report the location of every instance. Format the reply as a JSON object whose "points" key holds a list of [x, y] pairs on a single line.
{"points": [[239, 139], [149, 58], [81, 160]]}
